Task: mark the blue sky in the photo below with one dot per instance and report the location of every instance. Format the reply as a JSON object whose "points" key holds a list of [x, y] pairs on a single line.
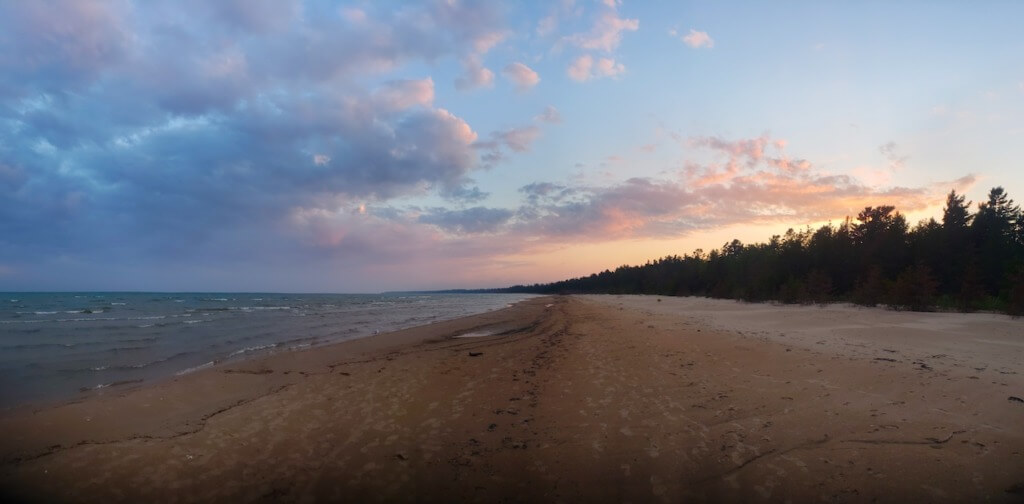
{"points": [[365, 146]]}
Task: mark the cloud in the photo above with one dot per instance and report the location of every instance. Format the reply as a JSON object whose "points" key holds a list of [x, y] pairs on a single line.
{"points": [[585, 68], [50, 45], [579, 70], [353, 14], [751, 149], [186, 180], [752, 187], [545, 190], [523, 76], [470, 220], [891, 152], [698, 39], [550, 115], [474, 75], [606, 32], [547, 25], [403, 94], [516, 139], [252, 15]]}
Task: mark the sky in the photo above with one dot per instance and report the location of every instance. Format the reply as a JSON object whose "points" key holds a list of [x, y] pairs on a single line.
{"points": [[322, 146]]}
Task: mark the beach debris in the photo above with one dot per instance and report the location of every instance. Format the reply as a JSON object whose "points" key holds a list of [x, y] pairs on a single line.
{"points": [[475, 354], [401, 456], [490, 428], [1015, 399]]}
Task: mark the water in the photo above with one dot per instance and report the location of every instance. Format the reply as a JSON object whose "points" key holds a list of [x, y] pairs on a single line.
{"points": [[57, 345]]}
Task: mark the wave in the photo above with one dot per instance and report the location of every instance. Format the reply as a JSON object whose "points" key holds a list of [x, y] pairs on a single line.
{"points": [[33, 346], [78, 344], [125, 367], [80, 319], [195, 368], [111, 384], [252, 349]]}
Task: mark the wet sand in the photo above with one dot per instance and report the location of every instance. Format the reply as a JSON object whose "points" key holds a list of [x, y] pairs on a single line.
{"points": [[592, 398]]}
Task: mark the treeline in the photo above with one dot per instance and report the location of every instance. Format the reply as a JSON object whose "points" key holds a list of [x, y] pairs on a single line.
{"points": [[969, 261]]}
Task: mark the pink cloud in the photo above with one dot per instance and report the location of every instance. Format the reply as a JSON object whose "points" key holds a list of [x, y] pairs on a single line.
{"points": [[519, 139], [474, 75], [76, 38], [579, 70], [585, 68], [607, 67], [523, 76], [749, 188], [751, 148], [403, 94], [698, 39], [606, 33]]}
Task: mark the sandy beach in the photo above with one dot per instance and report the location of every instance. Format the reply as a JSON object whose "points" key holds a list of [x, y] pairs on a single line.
{"points": [[574, 399]]}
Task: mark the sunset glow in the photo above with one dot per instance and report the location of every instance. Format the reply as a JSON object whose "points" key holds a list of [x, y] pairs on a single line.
{"points": [[321, 146]]}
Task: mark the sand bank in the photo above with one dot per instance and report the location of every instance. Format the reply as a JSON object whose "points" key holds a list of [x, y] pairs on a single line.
{"points": [[599, 398]]}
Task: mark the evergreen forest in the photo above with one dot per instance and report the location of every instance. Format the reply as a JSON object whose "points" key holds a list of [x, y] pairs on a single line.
{"points": [[967, 262]]}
